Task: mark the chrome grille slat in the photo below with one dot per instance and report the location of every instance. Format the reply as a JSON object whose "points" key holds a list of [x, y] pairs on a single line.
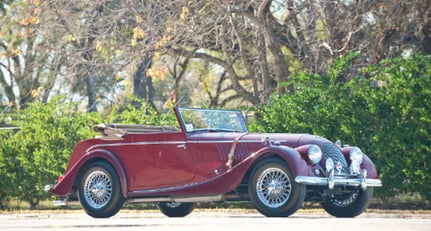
{"points": [[331, 151]]}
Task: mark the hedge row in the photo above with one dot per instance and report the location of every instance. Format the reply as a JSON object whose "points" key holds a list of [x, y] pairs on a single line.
{"points": [[386, 111]]}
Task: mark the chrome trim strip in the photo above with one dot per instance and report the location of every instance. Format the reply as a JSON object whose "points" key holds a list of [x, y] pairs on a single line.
{"points": [[322, 181], [169, 142], [222, 141], [135, 143]]}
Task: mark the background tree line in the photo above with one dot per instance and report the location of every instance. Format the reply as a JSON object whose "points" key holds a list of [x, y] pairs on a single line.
{"points": [[219, 53], [222, 53]]}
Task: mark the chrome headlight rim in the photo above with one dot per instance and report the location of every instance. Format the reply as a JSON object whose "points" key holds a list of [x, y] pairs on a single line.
{"points": [[356, 155], [329, 165], [314, 154]]}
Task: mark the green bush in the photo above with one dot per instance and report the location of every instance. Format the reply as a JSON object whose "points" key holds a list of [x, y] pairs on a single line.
{"points": [[144, 114], [401, 110], [386, 111], [39, 151]]}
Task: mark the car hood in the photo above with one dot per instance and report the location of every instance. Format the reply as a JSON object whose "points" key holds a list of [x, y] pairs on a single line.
{"points": [[289, 139]]}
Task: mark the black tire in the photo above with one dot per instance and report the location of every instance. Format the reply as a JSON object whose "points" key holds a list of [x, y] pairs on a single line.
{"points": [[273, 190], [174, 209], [351, 205], [99, 190]]}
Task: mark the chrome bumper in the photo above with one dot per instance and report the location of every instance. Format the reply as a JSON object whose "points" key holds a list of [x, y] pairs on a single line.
{"points": [[333, 181]]}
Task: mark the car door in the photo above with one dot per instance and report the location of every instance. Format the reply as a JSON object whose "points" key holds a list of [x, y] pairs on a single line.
{"points": [[162, 161], [214, 149]]}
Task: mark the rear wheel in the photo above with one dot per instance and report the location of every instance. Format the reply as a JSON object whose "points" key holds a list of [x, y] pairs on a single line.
{"points": [[99, 190], [174, 209], [350, 205], [273, 190]]}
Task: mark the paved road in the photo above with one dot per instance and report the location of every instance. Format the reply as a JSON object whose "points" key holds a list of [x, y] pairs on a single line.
{"points": [[211, 220]]}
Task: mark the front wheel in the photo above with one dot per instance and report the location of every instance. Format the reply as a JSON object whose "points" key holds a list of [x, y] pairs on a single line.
{"points": [[174, 209], [273, 190], [99, 190], [350, 205]]}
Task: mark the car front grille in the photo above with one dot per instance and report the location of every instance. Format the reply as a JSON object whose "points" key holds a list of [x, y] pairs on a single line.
{"points": [[331, 151]]}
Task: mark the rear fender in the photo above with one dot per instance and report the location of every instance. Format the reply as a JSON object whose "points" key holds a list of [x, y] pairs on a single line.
{"points": [[65, 185]]}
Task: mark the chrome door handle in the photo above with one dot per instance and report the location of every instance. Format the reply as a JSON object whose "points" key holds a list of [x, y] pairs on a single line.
{"points": [[184, 146]]}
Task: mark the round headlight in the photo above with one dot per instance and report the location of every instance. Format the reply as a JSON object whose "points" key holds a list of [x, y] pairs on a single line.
{"points": [[356, 155], [314, 154]]}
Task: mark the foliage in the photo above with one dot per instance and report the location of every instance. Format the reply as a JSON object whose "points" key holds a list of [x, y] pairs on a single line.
{"points": [[402, 105], [145, 114], [22, 58], [386, 111], [37, 153], [242, 50]]}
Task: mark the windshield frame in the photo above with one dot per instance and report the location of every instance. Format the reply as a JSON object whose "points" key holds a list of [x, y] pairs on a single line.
{"points": [[211, 120]]}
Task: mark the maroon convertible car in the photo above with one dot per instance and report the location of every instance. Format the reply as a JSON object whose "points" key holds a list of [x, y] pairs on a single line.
{"points": [[211, 156]]}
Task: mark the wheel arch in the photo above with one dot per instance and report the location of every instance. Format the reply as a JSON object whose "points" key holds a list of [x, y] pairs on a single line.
{"points": [[102, 156], [271, 184], [288, 155]]}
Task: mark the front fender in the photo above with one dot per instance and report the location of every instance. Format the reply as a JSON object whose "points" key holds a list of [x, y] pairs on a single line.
{"points": [[65, 185], [369, 166], [296, 163]]}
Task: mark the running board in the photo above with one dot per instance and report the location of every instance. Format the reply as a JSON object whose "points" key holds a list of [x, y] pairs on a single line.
{"points": [[205, 198]]}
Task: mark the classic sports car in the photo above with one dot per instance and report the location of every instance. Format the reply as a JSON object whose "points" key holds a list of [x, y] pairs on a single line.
{"points": [[212, 157]]}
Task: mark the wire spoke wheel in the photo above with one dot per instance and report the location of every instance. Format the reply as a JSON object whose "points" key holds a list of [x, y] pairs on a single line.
{"points": [[274, 187], [98, 189]]}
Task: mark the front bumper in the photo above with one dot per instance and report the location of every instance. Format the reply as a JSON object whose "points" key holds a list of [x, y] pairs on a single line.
{"points": [[333, 181]]}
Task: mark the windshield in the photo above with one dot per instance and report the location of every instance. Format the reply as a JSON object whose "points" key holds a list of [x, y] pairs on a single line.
{"points": [[210, 120]]}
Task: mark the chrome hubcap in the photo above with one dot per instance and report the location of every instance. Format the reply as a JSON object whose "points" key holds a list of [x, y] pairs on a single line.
{"points": [[273, 187], [97, 189]]}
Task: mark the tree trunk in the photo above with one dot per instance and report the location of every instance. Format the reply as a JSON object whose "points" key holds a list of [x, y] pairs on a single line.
{"points": [[143, 84], [426, 42], [91, 93]]}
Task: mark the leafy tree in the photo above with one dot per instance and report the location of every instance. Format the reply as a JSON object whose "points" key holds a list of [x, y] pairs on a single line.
{"points": [[87, 38], [91, 48], [256, 45], [24, 75]]}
